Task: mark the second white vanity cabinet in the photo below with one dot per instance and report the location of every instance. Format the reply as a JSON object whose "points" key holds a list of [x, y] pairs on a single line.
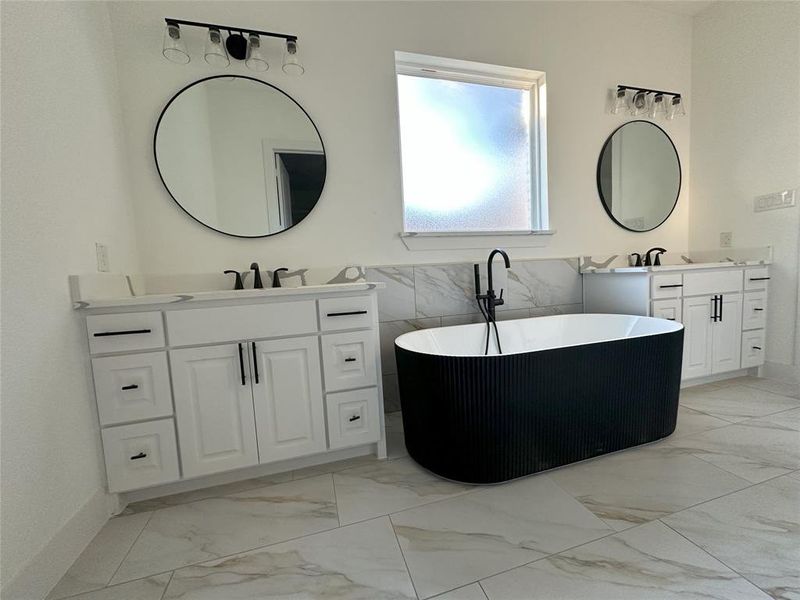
{"points": [[197, 388], [722, 308]]}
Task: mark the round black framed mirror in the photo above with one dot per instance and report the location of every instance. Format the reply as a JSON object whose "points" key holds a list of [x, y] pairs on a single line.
{"points": [[639, 176], [240, 156]]}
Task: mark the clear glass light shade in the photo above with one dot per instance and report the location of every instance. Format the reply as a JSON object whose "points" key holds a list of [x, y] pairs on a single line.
{"points": [[657, 107], [256, 61], [215, 53], [291, 60], [638, 104], [174, 47], [675, 108], [620, 102]]}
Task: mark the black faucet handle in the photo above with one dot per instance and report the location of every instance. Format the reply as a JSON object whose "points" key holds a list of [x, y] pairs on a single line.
{"points": [[238, 285], [657, 261], [276, 280], [638, 256]]}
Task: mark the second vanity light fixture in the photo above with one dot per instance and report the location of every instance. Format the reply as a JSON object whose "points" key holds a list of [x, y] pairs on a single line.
{"points": [[644, 102], [240, 44]]}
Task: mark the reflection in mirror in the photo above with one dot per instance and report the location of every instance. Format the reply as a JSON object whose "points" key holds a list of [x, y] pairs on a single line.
{"points": [[639, 176], [240, 156]]}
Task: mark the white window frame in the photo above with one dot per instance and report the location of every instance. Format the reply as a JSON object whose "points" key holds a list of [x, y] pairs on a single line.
{"points": [[421, 65]]}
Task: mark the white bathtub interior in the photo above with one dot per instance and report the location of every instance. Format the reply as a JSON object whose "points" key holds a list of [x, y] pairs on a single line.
{"points": [[534, 334]]}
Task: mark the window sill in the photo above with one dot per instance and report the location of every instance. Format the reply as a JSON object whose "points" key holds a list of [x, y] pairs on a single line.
{"points": [[476, 240]]}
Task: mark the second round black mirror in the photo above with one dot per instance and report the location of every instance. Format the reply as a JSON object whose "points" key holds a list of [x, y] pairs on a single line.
{"points": [[639, 176]]}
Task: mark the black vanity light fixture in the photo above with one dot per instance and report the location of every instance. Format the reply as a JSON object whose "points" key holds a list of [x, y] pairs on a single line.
{"points": [[239, 44], [645, 102]]}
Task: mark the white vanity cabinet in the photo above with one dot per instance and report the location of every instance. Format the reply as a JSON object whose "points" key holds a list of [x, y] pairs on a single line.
{"points": [[192, 389], [723, 310]]}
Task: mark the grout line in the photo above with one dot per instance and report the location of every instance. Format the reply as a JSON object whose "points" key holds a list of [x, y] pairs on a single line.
{"points": [[164, 593], [480, 585], [335, 499], [727, 566], [403, 556], [124, 558]]}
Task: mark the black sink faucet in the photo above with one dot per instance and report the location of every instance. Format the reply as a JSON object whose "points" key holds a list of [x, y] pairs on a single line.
{"points": [[276, 280], [649, 262], [257, 284]]}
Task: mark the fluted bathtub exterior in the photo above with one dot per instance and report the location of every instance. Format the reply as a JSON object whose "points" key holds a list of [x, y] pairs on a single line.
{"points": [[487, 419]]}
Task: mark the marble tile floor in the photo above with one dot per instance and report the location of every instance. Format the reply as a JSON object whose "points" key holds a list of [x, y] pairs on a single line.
{"points": [[712, 512]]}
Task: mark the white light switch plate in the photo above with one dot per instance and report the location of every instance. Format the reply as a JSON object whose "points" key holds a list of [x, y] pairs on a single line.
{"points": [[784, 199], [726, 239]]}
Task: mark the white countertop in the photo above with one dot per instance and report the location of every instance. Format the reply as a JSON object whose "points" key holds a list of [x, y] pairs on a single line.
{"points": [[680, 267], [148, 299]]}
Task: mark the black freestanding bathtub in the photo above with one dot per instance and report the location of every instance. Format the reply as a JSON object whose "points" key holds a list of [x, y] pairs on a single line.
{"points": [[566, 388]]}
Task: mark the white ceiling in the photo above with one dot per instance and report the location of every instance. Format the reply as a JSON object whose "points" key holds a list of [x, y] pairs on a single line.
{"points": [[681, 7]]}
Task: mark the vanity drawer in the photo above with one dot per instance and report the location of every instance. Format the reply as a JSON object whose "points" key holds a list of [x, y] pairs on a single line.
{"points": [[753, 348], [701, 283], [336, 314], [353, 418], [754, 310], [669, 309], [247, 322], [132, 387], [125, 332], [348, 360], [140, 455], [756, 279], [666, 286]]}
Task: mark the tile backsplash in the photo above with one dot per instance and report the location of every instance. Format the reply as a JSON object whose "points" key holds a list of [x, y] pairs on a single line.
{"points": [[423, 296]]}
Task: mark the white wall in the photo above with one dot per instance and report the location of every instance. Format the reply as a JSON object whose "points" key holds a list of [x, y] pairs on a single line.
{"points": [[349, 90], [746, 142], [64, 186]]}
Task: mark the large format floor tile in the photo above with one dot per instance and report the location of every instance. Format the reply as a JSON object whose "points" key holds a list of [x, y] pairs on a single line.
{"points": [[469, 592], [648, 562], [755, 531], [691, 421], [741, 449], [358, 562], [97, 563], [736, 402], [640, 485], [387, 487], [458, 541], [784, 388], [199, 531], [150, 588]]}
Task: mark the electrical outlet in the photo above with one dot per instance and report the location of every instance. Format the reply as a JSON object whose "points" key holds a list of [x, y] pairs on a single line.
{"points": [[726, 239], [102, 257]]}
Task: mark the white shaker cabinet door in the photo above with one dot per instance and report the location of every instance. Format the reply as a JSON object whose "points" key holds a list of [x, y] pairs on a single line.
{"points": [[697, 336], [287, 389], [727, 335], [214, 408]]}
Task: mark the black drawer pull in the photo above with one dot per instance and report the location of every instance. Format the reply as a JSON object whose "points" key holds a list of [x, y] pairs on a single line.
{"points": [[756, 347], [348, 313], [349, 359], [130, 387], [758, 309], [759, 278], [138, 456], [672, 285], [129, 332], [670, 318], [354, 418]]}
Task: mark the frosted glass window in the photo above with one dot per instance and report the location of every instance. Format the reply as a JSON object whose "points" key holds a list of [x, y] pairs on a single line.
{"points": [[466, 156]]}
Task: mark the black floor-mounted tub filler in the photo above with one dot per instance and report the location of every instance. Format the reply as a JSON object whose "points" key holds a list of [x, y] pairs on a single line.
{"points": [[566, 388]]}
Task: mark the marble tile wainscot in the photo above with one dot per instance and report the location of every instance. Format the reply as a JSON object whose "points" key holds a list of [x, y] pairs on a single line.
{"points": [[440, 295]]}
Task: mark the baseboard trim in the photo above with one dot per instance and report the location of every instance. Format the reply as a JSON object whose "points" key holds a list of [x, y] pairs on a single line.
{"points": [[782, 372], [38, 577]]}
